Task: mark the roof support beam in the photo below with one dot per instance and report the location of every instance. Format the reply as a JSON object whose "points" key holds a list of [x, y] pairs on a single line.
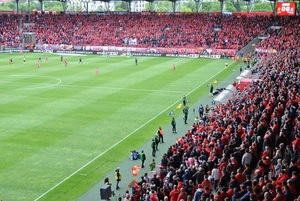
{"points": [[199, 4], [17, 5], [41, 5]]}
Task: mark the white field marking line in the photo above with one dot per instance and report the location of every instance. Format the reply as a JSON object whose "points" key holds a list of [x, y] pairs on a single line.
{"points": [[63, 54], [38, 87], [117, 143], [47, 86]]}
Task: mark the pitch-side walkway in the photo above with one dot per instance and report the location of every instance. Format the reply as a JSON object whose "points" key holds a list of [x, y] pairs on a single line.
{"points": [[93, 194]]}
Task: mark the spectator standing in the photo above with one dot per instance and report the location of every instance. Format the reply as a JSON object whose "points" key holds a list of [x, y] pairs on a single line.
{"points": [[198, 193], [107, 182], [173, 124], [206, 182], [127, 196], [160, 134], [184, 100], [215, 175], [246, 158], [201, 111], [185, 114], [182, 195], [246, 196], [211, 90], [160, 193], [156, 139], [152, 165], [197, 120], [153, 146], [199, 176], [143, 158], [279, 196], [118, 177], [174, 193], [153, 196], [207, 108], [225, 177]]}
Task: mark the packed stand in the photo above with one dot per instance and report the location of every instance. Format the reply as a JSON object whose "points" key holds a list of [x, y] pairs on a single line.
{"points": [[149, 29], [282, 38], [10, 30], [246, 149]]}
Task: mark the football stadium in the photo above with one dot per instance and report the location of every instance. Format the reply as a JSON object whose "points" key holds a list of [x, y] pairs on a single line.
{"points": [[144, 101]]}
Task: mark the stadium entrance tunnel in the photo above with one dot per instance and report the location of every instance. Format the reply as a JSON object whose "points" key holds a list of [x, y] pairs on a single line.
{"points": [[226, 94]]}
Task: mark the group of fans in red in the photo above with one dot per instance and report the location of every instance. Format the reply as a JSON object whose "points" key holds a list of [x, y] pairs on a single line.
{"points": [[245, 149]]}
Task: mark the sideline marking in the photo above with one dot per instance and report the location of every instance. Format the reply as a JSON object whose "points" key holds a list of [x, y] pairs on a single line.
{"points": [[67, 54], [117, 143]]}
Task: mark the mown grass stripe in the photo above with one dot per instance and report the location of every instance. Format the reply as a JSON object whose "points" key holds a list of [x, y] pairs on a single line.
{"points": [[58, 129]]}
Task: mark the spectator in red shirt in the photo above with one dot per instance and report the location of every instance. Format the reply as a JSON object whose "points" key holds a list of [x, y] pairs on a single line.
{"points": [[279, 196], [174, 194], [182, 195], [153, 196]]}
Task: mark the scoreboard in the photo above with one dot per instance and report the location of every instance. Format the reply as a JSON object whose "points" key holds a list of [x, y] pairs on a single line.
{"points": [[286, 9]]}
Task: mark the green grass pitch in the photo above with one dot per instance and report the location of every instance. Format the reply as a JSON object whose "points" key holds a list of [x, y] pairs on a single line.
{"points": [[66, 127]]}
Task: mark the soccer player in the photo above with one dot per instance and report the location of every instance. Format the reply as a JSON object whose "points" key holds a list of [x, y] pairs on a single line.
{"points": [[38, 64], [174, 67], [66, 62], [97, 71], [46, 59], [11, 60], [24, 59], [80, 60], [226, 65], [136, 61]]}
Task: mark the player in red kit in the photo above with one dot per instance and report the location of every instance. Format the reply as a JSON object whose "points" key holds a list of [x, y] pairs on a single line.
{"points": [[97, 71], [66, 62], [38, 64]]}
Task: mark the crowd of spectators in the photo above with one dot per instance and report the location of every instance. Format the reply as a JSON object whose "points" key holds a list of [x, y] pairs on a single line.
{"points": [[149, 29], [10, 30], [246, 149]]}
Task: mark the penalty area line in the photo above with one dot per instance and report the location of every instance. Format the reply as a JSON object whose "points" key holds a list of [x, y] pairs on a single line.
{"points": [[117, 143]]}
